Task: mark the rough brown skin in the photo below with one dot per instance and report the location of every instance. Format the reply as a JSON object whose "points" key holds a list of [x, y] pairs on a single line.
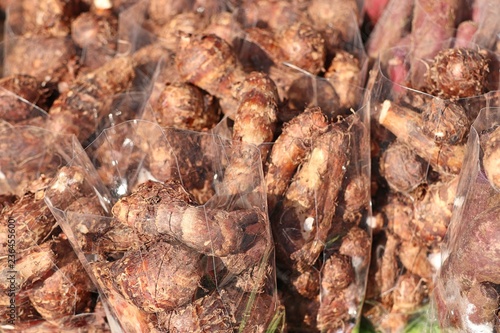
{"points": [[337, 274], [336, 20], [255, 123], [269, 14], [344, 73], [206, 314], [407, 126], [182, 24], [36, 57], [157, 209], [490, 142], [185, 106], [209, 62], [304, 220], [432, 213], [161, 13], [458, 73], [165, 276], [408, 294], [15, 92], [290, 150], [79, 110], [413, 256], [285, 54], [42, 18], [96, 32], [485, 300], [66, 292], [402, 168], [446, 122], [96, 234], [130, 317]]}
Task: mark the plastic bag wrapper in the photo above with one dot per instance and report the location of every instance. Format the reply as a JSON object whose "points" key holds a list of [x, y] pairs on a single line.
{"points": [[321, 223], [205, 265], [247, 44], [418, 147], [44, 286], [466, 295]]}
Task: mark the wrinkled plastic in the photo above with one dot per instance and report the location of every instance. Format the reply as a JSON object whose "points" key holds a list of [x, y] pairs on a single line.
{"points": [[418, 146], [43, 285], [465, 298], [129, 154]]}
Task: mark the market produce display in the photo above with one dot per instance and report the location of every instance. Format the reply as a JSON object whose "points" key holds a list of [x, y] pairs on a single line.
{"points": [[249, 166]]}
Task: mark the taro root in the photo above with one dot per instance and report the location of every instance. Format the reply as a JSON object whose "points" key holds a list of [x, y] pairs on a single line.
{"points": [[185, 106], [64, 293], [157, 209], [446, 122], [78, 110], [36, 57], [458, 73], [208, 62], [407, 125], [290, 150], [432, 213], [15, 91], [402, 168], [335, 20], [206, 314], [344, 75], [304, 220], [490, 143], [255, 123], [165, 276], [96, 33]]}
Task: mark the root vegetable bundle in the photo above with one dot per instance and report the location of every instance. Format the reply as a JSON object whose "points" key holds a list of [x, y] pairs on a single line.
{"points": [[163, 260], [44, 285], [421, 122]]}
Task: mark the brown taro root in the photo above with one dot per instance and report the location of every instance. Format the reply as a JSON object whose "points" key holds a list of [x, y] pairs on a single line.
{"points": [[95, 234], [407, 126], [289, 151], [269, 14], [432, 213], [446, 122], [43, 17], [209, 62], [458, 73], [79, 110], [157, 209], [182, 24], [336, 20], [185, 106], [301, 224], [30, 215], [337, 274], [15, 91], [344, 75], [206, 314], [255, 123], [159, 277], [130, 317], [37, 57], [96, 33], [490, 142], [67, 291], [402, 168], [298, 45]]}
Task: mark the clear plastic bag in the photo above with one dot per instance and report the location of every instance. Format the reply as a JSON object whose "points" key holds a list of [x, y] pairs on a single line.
{"points": [[216, 247], [466, 294], [44, 286], [418, 147]]}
